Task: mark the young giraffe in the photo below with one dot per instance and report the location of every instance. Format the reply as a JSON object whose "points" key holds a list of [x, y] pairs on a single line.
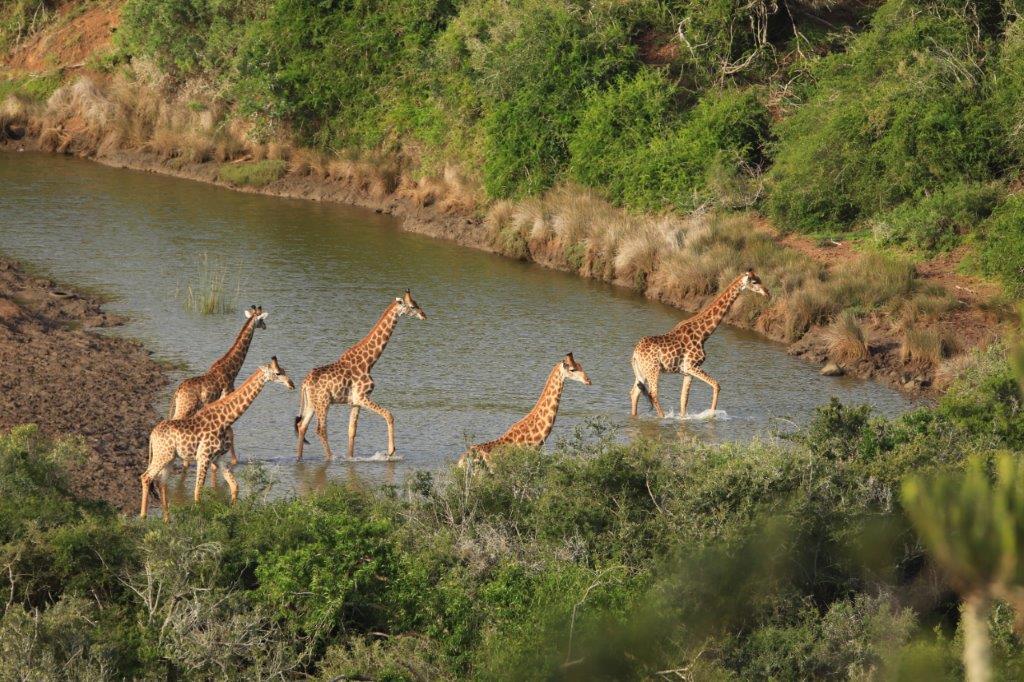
{"points": [[219, 380], [204, 435], [348, 381], [682, 349], [533, 429]]}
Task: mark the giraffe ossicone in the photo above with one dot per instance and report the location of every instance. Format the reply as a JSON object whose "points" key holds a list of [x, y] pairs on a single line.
{"points": [[681, 350]]}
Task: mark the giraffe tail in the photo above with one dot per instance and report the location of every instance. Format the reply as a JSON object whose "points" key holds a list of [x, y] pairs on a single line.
{"points": [[641, 382], [302, 410]]}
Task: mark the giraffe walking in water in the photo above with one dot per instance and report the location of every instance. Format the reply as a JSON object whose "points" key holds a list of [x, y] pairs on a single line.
{"points": [[203, 436], [219, 380], [533, 429], [682, 349], [348, 381]]}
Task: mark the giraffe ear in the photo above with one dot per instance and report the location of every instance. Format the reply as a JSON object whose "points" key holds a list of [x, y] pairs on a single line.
{"points": [[262, 316], [248, 313]]}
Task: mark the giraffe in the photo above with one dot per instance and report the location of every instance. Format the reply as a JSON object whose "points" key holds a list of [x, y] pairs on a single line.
{"points": [[682, 349], [204, 435], [533, 429], [219, 380], [348, 381]]}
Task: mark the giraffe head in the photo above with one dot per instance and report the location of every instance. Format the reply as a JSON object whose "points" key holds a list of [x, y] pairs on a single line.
{"points": [[273, 371], [574, 370], [752, 282], [257, 312], [407, 306]]}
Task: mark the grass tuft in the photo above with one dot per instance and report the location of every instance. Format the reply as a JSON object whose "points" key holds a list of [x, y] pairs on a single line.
{"points": [[845, 339], [211, 293], [253, 173]]}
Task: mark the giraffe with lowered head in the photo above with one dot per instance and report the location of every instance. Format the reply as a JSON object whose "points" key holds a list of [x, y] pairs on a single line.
{"points": [[219, 380], [348, 382], [203, 436], [682, 349], [533, 429]]}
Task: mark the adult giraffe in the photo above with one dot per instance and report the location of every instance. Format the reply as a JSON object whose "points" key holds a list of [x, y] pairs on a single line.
{"points": [[204, 435], [219, 380], [348, 382], [681, 351]]}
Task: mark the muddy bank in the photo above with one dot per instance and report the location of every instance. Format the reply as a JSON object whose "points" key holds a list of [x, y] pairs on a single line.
{"points": [[58, 372], [432, 216]]}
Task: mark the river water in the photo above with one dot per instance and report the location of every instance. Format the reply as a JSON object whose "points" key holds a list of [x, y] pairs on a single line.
{"points": [[325, 272]]}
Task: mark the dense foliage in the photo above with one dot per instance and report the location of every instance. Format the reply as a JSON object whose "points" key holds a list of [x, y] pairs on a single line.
{"points": [[786, 559], [901, 117]]}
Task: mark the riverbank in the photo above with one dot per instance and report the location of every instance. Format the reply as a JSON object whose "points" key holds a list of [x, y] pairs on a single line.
{"points": [[961, 320], [58, 372]]}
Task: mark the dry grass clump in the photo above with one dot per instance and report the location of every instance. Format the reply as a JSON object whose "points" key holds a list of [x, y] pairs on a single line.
{"points": [[925, 345], [811, 304], [844, 339], [873, 280]]}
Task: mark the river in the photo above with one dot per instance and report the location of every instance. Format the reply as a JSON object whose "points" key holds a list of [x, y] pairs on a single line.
{"points": [[325, 272]]}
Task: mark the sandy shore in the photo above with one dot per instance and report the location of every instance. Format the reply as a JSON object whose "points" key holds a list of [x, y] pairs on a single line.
{"points": [[58, 372]]}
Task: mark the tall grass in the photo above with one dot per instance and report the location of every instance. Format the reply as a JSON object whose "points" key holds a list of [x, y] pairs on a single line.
{"points": [[214, 290]]}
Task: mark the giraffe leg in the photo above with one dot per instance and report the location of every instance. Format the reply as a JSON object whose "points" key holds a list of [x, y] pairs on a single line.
{"points": [[389, 419], [652, 392], [321, 428], [213, 474], [353, 421], [165, 500], [230, 438], [202, 463], [229, 477], [710, 381], [634, 398], [684, 395]]}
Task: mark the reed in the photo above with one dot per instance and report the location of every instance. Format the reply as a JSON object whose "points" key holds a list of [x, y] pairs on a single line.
{"points": [[212, 292]]}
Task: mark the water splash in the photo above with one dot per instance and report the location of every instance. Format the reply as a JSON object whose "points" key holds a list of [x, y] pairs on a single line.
{"points": [[379, 457], [705, 416]]}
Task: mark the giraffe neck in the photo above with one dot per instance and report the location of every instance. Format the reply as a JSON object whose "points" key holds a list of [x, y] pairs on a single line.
{"points": [[232, 406], [544, 412], [377, 339], [708, 319], [231, 363]]}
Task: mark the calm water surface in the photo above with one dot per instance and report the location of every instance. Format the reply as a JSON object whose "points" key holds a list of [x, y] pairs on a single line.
{"points": [[326, 272]]}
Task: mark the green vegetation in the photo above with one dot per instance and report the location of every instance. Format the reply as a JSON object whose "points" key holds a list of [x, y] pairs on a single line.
{"points": [[21, 18], [598, 561], [211, 293], [32, 88], [253, 173]]}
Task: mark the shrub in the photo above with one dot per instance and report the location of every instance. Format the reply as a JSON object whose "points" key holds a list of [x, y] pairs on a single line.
{"points": [[902, 111], [1002, 249], [938, 221], [665, 164], [549, 55]]}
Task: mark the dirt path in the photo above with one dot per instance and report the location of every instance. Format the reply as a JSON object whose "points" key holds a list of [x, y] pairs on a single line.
{"points": [[57, 372]]}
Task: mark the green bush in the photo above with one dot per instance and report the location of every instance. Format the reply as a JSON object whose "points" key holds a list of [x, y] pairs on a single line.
{"points": [[253, 173], [938, 221], [903, 111], [542, 56], [1001, 253], [632, 143]]}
